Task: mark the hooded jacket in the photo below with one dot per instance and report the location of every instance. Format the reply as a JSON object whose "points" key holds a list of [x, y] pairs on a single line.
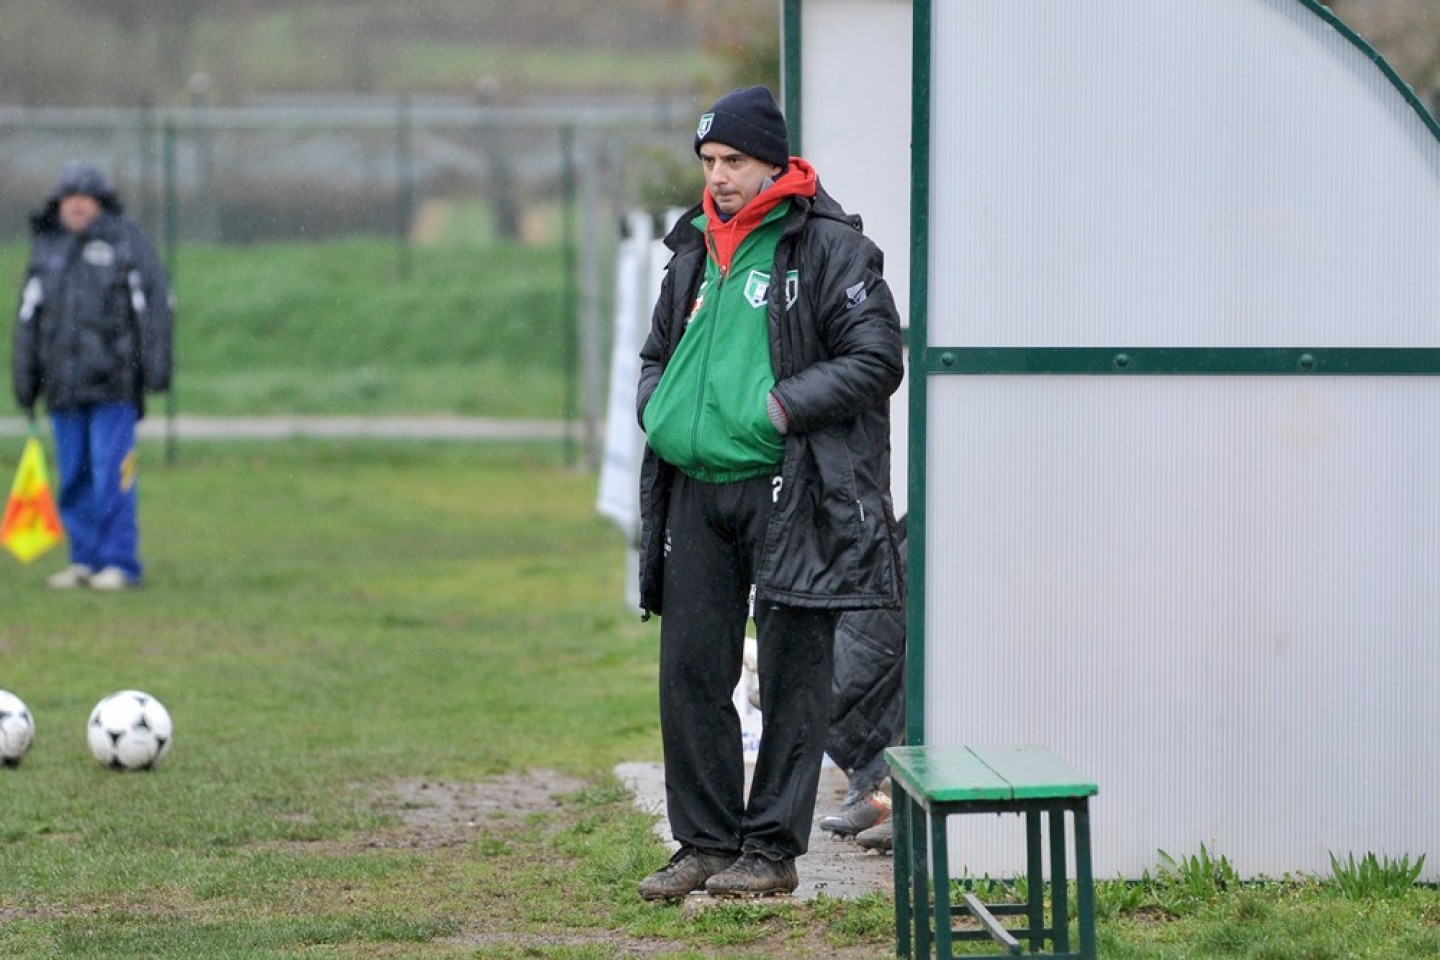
{"points": [[835, 352], [709, 414], [94, 322]]}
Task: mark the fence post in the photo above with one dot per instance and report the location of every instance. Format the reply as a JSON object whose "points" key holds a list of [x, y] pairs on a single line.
{"points": [[500, 184], [207, 226], [145, 142], [171, 240], [405, 187], [570, 314], [589, 320]]}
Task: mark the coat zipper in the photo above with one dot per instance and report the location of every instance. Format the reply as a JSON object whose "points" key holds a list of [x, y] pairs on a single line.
{"points": [[705, 367]]}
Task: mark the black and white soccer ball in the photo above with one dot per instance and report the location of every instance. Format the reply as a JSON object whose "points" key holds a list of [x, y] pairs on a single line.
{"points": [[17, 729], [129, 730]]}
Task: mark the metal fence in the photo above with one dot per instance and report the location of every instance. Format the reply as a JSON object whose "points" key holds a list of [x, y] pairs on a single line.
{"points": [[317, 169], [562, 173]]}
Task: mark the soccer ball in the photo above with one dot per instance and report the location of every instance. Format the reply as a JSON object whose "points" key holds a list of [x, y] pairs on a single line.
{"points": [[129, 730], [17, 729]]}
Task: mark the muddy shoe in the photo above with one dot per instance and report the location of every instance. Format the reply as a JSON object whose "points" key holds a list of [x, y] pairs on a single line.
{"points": [[754, 875], [859, 816], [686, 872], [880, 837]]}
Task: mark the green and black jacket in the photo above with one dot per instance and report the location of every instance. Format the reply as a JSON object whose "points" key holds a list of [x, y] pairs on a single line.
{"points": [[833, 336]]}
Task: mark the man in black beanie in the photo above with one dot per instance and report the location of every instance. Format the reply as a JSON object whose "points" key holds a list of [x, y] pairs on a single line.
{"points": [[764, 394]]}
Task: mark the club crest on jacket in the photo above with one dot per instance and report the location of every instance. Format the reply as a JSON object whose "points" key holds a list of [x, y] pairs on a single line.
{"points": [[98, 253], [757, 285]]}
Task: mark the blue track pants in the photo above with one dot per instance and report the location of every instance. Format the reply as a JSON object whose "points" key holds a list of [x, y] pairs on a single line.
{"points": [[95, 450]]}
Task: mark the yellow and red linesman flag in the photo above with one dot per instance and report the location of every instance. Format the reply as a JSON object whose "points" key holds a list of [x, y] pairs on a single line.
{"points": [[32, 524]]}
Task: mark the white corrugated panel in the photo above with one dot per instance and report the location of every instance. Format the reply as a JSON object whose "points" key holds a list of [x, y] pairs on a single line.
{"points": [[1214, 595], [856, 129], [856, 119], [1125, 172]]}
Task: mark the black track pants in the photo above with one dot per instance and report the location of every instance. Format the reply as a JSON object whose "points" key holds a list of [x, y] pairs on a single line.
{"points": [[713, 544]]}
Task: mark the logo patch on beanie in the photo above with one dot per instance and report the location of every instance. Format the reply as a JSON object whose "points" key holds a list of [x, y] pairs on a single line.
{"points": [[705, 123]]}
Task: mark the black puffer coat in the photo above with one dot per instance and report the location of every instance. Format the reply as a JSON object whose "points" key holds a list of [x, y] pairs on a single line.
{"points": [[868, 692], [836, 352], [94, 324]]}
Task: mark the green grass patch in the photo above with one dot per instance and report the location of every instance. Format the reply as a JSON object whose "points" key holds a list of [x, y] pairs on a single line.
{"points": [[319, 49], [1292, 920], [340, 328], [296, 328]]}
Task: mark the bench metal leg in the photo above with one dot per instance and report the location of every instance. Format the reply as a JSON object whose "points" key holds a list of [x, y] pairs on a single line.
{"points": [[1059, 883], [940, 844], [904, 852], [919, 880], [1035, 877], [1084, 882]]}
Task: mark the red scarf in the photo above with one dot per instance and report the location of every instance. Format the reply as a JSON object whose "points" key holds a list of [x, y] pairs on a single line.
{"points": [[723, 237]]}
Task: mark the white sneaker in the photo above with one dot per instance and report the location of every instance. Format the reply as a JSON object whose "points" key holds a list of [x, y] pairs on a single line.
{"points": [[111, 578], [75, 575]]}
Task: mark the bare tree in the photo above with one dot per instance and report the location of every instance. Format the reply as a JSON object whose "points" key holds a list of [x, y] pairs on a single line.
{"points": [[1405, 32]]}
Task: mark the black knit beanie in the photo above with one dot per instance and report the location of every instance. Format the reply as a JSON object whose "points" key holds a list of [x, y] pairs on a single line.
{"points": [[749, 121]]}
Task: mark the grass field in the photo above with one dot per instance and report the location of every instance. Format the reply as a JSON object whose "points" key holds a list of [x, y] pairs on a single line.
{"points": [[335, 627], [323, 623], [476, 330], [350, 635]]}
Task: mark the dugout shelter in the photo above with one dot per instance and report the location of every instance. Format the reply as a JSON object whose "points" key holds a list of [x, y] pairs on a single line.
{"points": [[1172, 402]]}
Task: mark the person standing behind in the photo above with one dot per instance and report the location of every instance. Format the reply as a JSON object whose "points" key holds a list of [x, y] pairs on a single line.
{"points": [[868, 715], [764, 394], [92, 337]]}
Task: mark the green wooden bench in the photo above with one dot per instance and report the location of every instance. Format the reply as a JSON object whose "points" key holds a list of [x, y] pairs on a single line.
{"points": [[931, 783]]}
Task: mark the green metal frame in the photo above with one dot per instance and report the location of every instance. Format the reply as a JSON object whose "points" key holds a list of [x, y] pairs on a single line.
{"points": [[790, 74], [916, 526], [1181, 361], [926, 361]]}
